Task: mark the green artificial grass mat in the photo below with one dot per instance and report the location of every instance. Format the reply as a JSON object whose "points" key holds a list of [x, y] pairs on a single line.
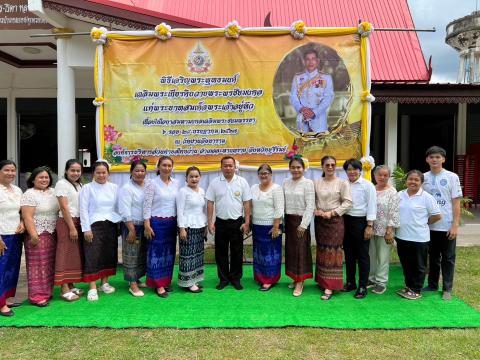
{"points": [[249, 308]]}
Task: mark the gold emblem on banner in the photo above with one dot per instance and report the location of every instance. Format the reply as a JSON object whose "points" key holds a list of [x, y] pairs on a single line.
{"points": [[199, 61]]}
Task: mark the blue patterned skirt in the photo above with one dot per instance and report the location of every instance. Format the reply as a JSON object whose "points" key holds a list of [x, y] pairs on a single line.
{"points": [[10, 267], [161, 252], [267, 255], [191, 258], [134, 255]]}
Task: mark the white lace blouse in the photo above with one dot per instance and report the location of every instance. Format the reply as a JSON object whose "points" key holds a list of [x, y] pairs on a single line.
{"points": [[160, 198], [66, 189], [9, 209], [46, 208], [130, 202], [300, 199], [191, 208], [267, 205]]}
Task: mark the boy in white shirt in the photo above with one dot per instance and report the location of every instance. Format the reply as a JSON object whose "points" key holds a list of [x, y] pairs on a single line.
{"points": [[444, 186]]}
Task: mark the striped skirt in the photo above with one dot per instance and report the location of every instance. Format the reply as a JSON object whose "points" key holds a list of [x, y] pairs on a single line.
{"points": [[134, 255], [101, 255], [329, 264], [69, 255], [161, 252], [298, 253], [40, 261], [10, 267], [267, 255], [191, 258]]}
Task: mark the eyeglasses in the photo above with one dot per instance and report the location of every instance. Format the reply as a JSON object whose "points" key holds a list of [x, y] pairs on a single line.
{"points": [[329, 165]]}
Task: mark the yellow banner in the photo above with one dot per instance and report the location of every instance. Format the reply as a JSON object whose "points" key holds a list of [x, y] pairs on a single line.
{"points": [[198, 99]]}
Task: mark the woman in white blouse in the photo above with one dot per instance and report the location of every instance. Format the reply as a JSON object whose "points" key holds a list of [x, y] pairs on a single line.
{"points": [[99, 218], [160, 220], [268, 206], [134, 243], [192, 222], [40, 212], [333, 199], [11, 228], [299, 206], [69, 254]]}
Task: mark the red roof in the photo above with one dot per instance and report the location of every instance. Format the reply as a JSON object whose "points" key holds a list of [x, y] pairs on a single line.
{"points": [[395, 56]]}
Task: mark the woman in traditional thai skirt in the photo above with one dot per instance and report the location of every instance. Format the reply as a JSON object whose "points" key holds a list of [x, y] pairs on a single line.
{"points": [[11, 228], [299, 206], [40, 213], [160, 220], [192, 223], [134, 243], [268, 206], [99, 218], [69, 255], [333, 199]]}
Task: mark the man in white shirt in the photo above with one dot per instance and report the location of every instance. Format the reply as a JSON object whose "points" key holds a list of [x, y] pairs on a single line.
{"points": [[358, 228], [444, 186], [229, 195]]}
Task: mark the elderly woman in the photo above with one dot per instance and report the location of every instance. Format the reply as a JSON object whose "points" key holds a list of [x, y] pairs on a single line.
{"points": [[267, 211], [358, 228], [192, 224], [134, 243], [333, 199], [160, 220], [11, 228], [69, 254], [99, 219], [418, 209], [299, 206], [40, 213], [388, 219]]}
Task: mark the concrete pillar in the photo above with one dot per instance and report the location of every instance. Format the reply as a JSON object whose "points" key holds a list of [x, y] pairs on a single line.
{"points": [[405, 136], [461, 129], [12, 129], [66, 120], [391, 130]]}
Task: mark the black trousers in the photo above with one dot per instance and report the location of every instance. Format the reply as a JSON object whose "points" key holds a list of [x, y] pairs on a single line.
{"points": [[441, 256], [228, 234], [413, 257], [356, 248]]}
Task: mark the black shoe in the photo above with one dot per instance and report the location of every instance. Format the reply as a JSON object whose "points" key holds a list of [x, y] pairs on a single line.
{"points": [[168, 288], [360, 293], [14, 305], [237, 285], [44, 304], [162, 295], [221, 285], [429, 288], [9, 313], [349, 287]]}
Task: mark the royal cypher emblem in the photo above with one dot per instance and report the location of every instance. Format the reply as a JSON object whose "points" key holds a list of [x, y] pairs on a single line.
{"points": [[199, 61]]}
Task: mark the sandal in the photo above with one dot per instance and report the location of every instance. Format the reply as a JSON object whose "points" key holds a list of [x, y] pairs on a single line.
{"points": [[297, 292], [92, 295], [292, 285], [326, 296], [138, 293], [107, 288], [70, 296], [77, 291], [411, 295]]}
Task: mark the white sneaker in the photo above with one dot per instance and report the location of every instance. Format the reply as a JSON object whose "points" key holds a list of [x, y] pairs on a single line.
{"points": [[92, 295], [107, 288]]}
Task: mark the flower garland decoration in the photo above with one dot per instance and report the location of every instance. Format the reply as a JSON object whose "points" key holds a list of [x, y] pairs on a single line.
{"points": [[292, 154], [163, 31], [232, 30], [367, 96], [368, 163], [365, 28], [298, 29], [98, 101], [99, 35]]}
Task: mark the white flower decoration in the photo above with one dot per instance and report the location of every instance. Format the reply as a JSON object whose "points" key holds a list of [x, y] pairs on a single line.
{"points": [[368, 163], [98, 101], [365, 28], [232, 30], [367, 96], [163, 31], [298, 29], [99, 35]]}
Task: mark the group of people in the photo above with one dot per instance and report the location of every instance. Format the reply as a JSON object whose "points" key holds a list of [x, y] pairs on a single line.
{"points": [[71, 231]]}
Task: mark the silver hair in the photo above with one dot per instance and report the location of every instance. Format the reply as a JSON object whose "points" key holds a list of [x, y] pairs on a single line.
{"points": [[384, 167]]}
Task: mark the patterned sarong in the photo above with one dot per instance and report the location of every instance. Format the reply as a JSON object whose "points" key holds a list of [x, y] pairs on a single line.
{"points": [[69, 255], [40, 262], [298, 253], [267, 255], [191, 258], [161, 252], [329, 266], [10, 267], [134, 255]]}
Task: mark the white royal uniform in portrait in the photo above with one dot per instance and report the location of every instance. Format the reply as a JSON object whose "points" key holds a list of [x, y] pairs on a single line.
{"points": [[315, 91]]}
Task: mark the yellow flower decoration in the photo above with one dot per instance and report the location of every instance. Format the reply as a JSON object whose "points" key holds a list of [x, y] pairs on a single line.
{"points": [[298, 29], [99, 35], [365, 28], [367, 96], [368, 163], [163, 31], [232, 30], [367, 166], [98, 101]]}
